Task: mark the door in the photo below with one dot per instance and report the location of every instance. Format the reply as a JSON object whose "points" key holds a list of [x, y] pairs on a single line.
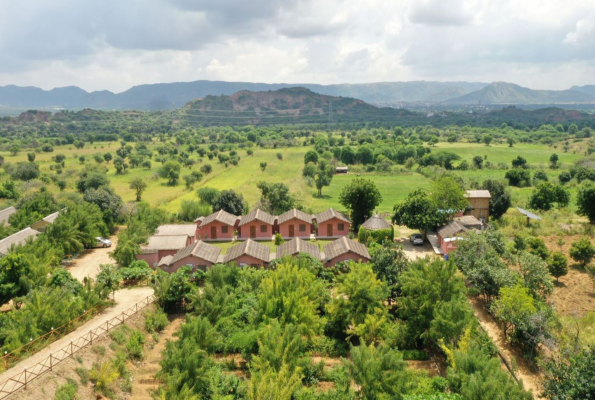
{"points": [[291, 231], [329, 230], [253, 231], [213, 232]]}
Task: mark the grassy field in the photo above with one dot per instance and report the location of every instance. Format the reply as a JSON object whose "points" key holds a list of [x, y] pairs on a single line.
{"points": [[243, 178]]}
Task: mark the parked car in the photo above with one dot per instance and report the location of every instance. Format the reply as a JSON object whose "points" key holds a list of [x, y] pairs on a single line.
{"points": [[103, 242], [417, 239]]}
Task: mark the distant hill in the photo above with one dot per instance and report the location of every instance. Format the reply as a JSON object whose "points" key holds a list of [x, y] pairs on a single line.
{"points": [[587, 89], [509, 93], [287, 105], [165, 96]]}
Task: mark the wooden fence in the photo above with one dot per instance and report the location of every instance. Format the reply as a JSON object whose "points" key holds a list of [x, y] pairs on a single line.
{"points": [[22, 379]]}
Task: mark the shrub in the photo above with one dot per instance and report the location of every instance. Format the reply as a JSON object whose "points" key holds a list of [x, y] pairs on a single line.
{"points": [[156, 321], [103, 374], [518, 177], [557, 265], [582, 251], [136, 272], [134, 347], [367, 236], [67, 391]]}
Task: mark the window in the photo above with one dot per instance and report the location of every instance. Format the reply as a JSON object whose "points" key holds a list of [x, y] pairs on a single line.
{"points": [[302, 227], [263, 228], [341, 227], [224, 229]]}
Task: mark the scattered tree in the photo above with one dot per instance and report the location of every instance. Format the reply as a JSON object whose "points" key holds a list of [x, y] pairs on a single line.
{"points": [[582, 251], [139, 186], [360, 197]]}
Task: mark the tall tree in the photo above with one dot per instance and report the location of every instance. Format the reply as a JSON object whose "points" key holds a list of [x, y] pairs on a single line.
{"points": [[500, 200], [139, 186], [324, 175], [275, 197], [585, 202], [449, 195], [361, 197], [229, 201], [417, 211]]}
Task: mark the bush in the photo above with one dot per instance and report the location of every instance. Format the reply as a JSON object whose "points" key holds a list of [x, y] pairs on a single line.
{"points": [[134, 347], [190, 210], [137, 271], [156, 321], [518, 177], [25, 171], [103, 375], [367, 236], [582, 251], [67, 391]]}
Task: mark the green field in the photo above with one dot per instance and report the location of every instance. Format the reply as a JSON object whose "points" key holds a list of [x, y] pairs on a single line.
{"points": [[243, 178]]}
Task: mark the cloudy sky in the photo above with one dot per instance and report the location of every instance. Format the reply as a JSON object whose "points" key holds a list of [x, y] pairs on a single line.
{"points": [[115, 44]]}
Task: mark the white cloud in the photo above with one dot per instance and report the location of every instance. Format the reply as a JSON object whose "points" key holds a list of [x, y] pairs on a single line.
{"points": [[111, 44]]}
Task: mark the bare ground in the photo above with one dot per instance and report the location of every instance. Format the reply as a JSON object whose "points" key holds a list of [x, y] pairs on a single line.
{"points": [[125, 299], [414, 252], [87, 265], [144, 382], [525, 373]]}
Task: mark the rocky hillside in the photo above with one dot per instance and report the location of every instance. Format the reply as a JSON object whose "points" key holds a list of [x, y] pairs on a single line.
{"points": [[509, 93]]}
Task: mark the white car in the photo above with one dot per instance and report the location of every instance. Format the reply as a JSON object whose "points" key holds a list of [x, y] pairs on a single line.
{"points": [[103, 242], [417, 239]]}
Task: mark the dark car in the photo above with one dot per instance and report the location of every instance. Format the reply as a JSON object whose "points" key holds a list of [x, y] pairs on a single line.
{"points": [[417, 239]]}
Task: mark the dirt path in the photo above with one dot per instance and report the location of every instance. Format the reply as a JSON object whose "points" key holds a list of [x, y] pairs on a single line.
{"points": [[144, 376], [125, 299], [88, 263], [524, 372]]}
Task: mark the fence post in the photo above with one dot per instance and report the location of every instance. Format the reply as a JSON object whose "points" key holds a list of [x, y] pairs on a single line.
{"points": [[71, 351], [25, 378], [91, 337], [51, 364]]}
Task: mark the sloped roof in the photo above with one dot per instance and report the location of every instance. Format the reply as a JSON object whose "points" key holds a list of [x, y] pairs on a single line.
{"points": [[198, 249], [296, 246], [451, 229], [344, 245], [176, 230], [294, 213], [330, 214], [258, 215], [165, 261], [220, 216], [478, 194], [156, 243], [467, 220], [376, 222], [249, 248], [16, 239], [52, 217], [6, 213]]}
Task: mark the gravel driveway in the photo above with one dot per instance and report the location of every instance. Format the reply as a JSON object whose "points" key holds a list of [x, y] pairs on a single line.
{"points": [[88, 263]]}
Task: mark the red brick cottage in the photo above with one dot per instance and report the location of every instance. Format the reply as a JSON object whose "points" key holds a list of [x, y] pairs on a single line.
{"points": [[199, 255], [344, 249], [295, 223], [217, 226], [256, 225], [332, 224], [248, 252]]}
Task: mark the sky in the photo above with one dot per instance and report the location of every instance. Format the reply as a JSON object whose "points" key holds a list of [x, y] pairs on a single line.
{"points": [[116, 44]]}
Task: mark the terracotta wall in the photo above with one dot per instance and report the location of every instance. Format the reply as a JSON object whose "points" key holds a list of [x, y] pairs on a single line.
{"points": [[245, 231], [323, 228], [204, 233], [284, 229], [190, 260], [447, 247], [153, 258], [346, 257], [245, 259]]}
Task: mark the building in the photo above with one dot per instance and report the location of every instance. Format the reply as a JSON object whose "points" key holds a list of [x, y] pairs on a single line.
{"points": [[296, 246], [164, 262], [479, 202], [341, 170], [187, 230], [5, 214], [469, 222], [376, 223], [257, 225], [217, 226], [448, 236], [17, 239], [295, 223], [42, 224], [344, 249], [198, 255], [158, 247], [249, 252], [332, 224]]}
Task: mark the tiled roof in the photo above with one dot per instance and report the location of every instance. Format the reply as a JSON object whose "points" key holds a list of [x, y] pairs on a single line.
{"points": [[467, 220], [296, 246], [52, 217], [294, 213], [249, 248], [16, 239], [165, 261], [478, 194], [220, 216], [7, 212], [330, 214], [156, 243], [344, 245], [258, 215], [376, 222], [451, 229], [200, 250], [176, 230]]}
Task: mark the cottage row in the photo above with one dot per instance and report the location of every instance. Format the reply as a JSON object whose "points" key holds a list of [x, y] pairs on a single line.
{"points": [[258, 224], [172, 252], [21, 237]]}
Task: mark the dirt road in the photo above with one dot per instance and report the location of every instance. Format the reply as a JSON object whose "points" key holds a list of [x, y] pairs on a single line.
{"points": [[524, 371], [125, 299], [87, 265]]}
